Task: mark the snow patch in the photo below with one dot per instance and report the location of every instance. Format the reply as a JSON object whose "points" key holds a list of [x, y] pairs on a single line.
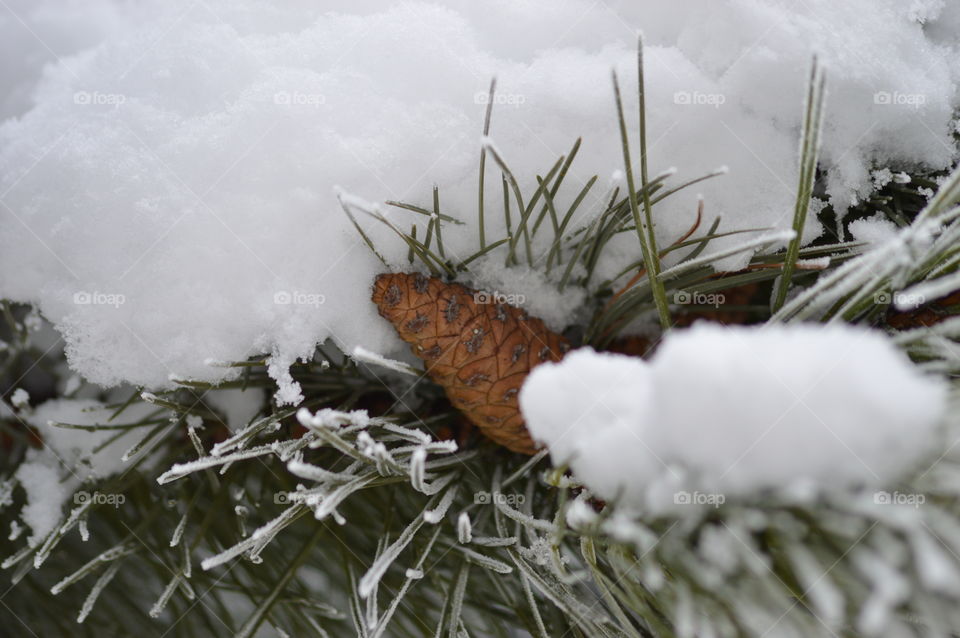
{"points": [[723, 412], [39, 474], [69, 457], [873, 230]]}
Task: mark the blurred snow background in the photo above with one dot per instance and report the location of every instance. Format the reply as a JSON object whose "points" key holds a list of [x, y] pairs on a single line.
{"points": [[167, 169]]}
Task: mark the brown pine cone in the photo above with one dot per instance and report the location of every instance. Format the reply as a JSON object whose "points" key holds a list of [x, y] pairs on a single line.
{"points": [[632, 345], [479, 352], [927, 315], [726, 313]]}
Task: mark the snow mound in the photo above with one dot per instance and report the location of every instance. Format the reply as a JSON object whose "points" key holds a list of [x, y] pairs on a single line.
{"points": [[167, 181], [737, 412]]}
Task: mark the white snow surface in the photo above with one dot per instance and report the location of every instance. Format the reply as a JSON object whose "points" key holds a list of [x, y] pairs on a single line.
{"points": [[737, 412], [36, 33], [167, 168]]}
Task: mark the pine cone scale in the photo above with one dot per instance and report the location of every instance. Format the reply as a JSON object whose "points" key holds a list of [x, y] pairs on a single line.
{"points": [[479, 353]]}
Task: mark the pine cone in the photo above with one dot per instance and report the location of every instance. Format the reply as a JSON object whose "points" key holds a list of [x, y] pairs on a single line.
{"points": [[479, 351], [726, 313], [927, 315], [632, 345]]}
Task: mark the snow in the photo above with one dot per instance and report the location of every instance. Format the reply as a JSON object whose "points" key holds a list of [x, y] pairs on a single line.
{"points": [[238, 405], [20, 399], [527, 289], [884, 176], [69, 456], [167, 170], [464, 528], [76, 448], [39, 474], [362, 355], [332, 419], [724, 412], [34, 33], [874, 230]]}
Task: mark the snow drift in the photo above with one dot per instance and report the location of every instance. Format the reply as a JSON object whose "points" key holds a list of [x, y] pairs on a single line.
{"points": [[167, 169]]}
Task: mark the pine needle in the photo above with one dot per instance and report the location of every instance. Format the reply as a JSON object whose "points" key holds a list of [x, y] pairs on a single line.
{"points": [[810, 148]]}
